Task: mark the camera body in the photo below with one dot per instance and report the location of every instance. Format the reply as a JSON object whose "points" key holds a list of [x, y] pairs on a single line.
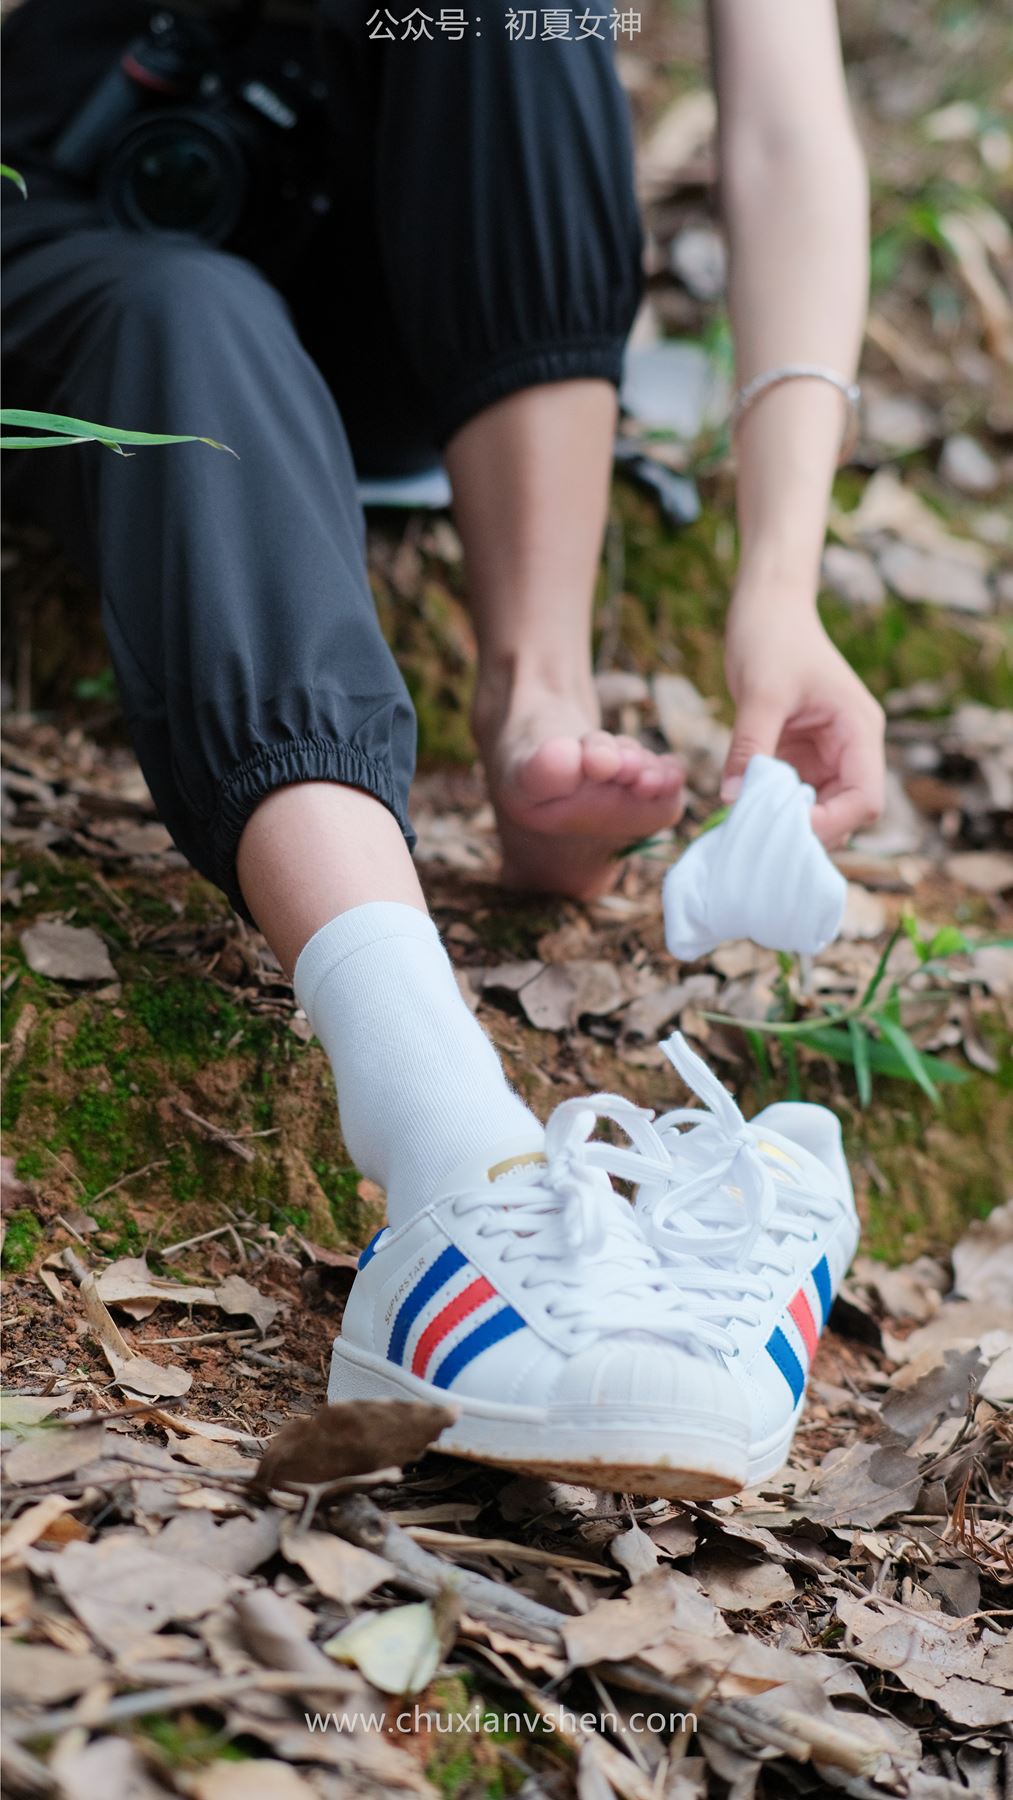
{"points": [[189, 134]]}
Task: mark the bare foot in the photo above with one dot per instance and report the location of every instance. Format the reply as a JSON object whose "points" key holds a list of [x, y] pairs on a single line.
{"points": [[570, 797]]}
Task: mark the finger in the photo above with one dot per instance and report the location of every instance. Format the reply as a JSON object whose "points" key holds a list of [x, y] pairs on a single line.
{"points": [[834, 820], [860, 791], [758, 723]]}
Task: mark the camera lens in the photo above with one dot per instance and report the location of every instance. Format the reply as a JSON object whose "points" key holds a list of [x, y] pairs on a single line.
{"points": [[177, 172]]}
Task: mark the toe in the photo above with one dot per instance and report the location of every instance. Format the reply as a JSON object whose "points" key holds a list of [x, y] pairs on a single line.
{"points": [[633, 757], [649, 783], [552, 772], [601, 756], [672, 774]]}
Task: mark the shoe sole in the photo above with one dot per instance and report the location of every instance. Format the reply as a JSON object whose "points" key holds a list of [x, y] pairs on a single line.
{"points": [[767, 1457], [667, 1458]]}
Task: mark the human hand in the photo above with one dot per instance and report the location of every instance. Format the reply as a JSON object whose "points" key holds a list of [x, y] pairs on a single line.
{"points": [[797, 698]]}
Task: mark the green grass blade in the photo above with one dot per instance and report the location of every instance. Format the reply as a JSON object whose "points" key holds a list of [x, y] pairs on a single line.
{"points": [[873, 986], [909, 1053], [884, 1059], [761, 1054], [42, 443], [84, 428], [860, 1057], [9, 174], [794, 1091]]}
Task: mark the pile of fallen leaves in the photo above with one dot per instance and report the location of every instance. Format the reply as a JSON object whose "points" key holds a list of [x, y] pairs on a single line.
{"points": [[844, 1625]]}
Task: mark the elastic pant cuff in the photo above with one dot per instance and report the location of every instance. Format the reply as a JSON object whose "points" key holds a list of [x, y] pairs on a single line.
{"points": [[300, 759], [576, 359]]}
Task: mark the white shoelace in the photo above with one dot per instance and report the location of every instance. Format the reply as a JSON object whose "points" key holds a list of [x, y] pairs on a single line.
{"points": [[583, 1239], [714, 1196]]}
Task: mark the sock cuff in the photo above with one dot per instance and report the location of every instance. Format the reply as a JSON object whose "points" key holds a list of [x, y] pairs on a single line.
{"points": [[354, 930]]}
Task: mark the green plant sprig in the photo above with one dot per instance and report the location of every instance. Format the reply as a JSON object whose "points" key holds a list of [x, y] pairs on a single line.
{"points": [[868, 1036]]}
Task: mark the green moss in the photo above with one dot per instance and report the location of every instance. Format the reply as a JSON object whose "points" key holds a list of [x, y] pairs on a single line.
{"points": [[22, 1239], [103, 1040], [931, 1173], [33, 1070], [340, 1182], [898, 643], [104, 1135], [191, 1021], [514, 930], [185, 1741], [677, 586], [30, 1167], [464, 1764]]}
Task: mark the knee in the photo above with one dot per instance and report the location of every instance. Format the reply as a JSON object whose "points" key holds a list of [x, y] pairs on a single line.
{"points": [[174, 287]]}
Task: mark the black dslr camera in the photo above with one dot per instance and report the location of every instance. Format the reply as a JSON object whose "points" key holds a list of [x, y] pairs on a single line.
{"points": [[191, 133]]}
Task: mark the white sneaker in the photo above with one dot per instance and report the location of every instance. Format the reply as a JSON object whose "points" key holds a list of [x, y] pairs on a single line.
{"points": [[525, 1296], [756, 1221]]}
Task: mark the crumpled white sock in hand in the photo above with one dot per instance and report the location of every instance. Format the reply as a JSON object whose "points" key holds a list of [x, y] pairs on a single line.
{"points": [[761, 874]]}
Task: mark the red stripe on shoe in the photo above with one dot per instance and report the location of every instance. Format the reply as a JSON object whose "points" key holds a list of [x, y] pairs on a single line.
{"points": [[467, 1301], [801, 1312]]}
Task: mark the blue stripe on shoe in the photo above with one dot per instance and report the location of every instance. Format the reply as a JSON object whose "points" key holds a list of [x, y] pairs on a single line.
{"points": [[370, 1250], [781, 1352], [502, 1324], [446, 1265], [821, 1276]]}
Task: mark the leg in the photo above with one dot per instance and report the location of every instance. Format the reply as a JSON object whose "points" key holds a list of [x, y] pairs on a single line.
{"points": [[530, 478], [270, 721], [234, 594], [514, 159]]}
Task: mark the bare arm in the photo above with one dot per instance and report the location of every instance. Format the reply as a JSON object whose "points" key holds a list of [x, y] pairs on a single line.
{"points": [[795, 204]]}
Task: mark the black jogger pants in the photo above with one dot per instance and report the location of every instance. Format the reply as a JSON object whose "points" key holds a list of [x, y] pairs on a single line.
{"points": [[484, 239]]}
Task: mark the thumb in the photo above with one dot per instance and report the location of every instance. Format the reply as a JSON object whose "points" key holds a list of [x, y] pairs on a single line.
{"points": [[758, 723]]}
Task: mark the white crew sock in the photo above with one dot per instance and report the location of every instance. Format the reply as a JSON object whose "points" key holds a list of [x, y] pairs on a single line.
{"points": [[420, 1087], [763, 874]]}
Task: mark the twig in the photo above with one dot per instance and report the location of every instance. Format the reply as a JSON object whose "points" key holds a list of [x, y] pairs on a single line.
{"points": [[67, 1226], [175, 1699], [73, 1264], [62, 1165], [187, 1243], [279, 1365], [218, 1134], [162, 1163], [364, 1524], [20, 1035], [209, 1337]]}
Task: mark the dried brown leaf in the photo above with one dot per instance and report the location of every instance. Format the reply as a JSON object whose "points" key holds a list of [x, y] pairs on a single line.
{"points": [[353, 1437], [558, 997], [737, 1585], [52, 1451], [135, 1374], [648, 1615], [105, 1767], [20, 1533], [340, 1570], [863, 1484], [43, 1674], [237, 1295], [123, 1590], [634, 1551], [949, 1661], [983, 1260], [263, 1779]]}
